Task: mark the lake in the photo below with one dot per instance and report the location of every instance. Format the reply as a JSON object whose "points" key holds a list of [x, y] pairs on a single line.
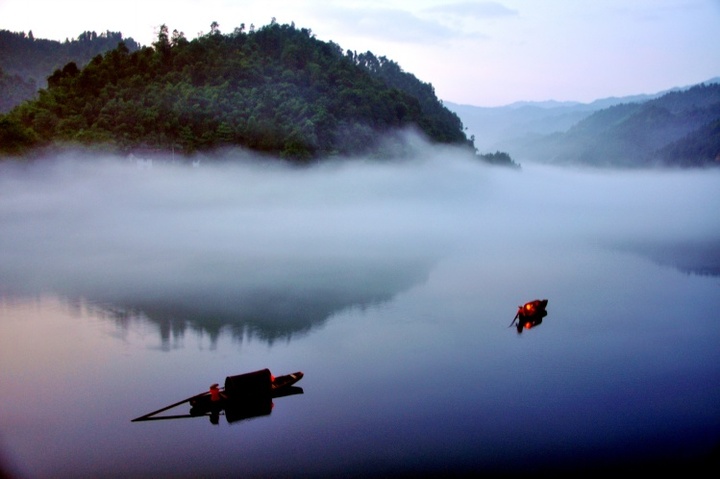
{"points": [[128, 286]]}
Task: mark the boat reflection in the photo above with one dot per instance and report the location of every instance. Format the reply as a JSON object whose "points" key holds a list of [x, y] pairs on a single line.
{"points": [[236, 411], [530, 315]]}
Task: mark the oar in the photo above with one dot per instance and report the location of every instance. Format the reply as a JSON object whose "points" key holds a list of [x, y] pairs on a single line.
{"points": [[516, 317], [168, 407]]}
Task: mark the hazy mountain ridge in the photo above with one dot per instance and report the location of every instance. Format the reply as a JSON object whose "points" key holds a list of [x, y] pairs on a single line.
{"points": [[677, 127], [636, 134], [495, 127]]}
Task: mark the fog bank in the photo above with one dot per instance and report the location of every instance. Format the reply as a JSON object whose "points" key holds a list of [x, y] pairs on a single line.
{"points": [[287, 247]]}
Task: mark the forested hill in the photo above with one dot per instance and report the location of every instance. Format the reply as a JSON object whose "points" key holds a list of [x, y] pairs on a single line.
{"points": [[26, 61], [276, 90]]}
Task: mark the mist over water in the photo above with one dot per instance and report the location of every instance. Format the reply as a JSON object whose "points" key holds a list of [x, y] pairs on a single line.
{"points": [[107, 227], [391, 285], [246, 240], [275, 250]]}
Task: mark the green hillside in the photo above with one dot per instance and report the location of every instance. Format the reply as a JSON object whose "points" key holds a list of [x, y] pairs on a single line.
{"points": [[275, 90]]}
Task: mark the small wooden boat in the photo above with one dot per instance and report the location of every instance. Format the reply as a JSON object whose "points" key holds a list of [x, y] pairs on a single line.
{"points": [[243, 396], [530, 314], [245, 388]]}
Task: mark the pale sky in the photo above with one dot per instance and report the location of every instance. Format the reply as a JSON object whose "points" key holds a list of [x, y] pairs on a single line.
{"points": [[482, 53]]}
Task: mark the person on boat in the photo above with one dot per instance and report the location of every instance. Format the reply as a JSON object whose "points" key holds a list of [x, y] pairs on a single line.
{"points": [[215, 394]]}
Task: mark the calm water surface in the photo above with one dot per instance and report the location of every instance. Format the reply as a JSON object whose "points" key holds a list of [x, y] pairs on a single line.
{"points": [[126, 289]]}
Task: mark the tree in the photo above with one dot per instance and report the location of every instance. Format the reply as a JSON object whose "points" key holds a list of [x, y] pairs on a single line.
{"points": [[276, 89]]}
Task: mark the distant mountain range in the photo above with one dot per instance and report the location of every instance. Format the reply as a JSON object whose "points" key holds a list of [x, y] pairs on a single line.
{"points": [[677, 127]]}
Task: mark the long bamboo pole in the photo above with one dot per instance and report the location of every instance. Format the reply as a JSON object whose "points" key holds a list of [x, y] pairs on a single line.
{"points": [[168, 407]]}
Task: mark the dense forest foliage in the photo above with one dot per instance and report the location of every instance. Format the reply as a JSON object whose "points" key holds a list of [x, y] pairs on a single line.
{"points": [[26, 61], [680, 128], [275, 90], [499, 158], [699, 148]]}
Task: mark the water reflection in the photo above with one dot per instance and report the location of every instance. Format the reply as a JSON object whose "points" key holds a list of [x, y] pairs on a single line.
{"points": [[236, 250], [237, 411], [298, 302], [691, 256], [234, 412]]}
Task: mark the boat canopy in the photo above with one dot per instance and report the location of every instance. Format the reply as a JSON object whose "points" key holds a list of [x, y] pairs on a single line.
{"points": [[249, 385]]}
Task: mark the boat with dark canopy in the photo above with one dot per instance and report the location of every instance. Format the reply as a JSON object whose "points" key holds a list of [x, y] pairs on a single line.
{"points": [[530, 314], [243, 396]]}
